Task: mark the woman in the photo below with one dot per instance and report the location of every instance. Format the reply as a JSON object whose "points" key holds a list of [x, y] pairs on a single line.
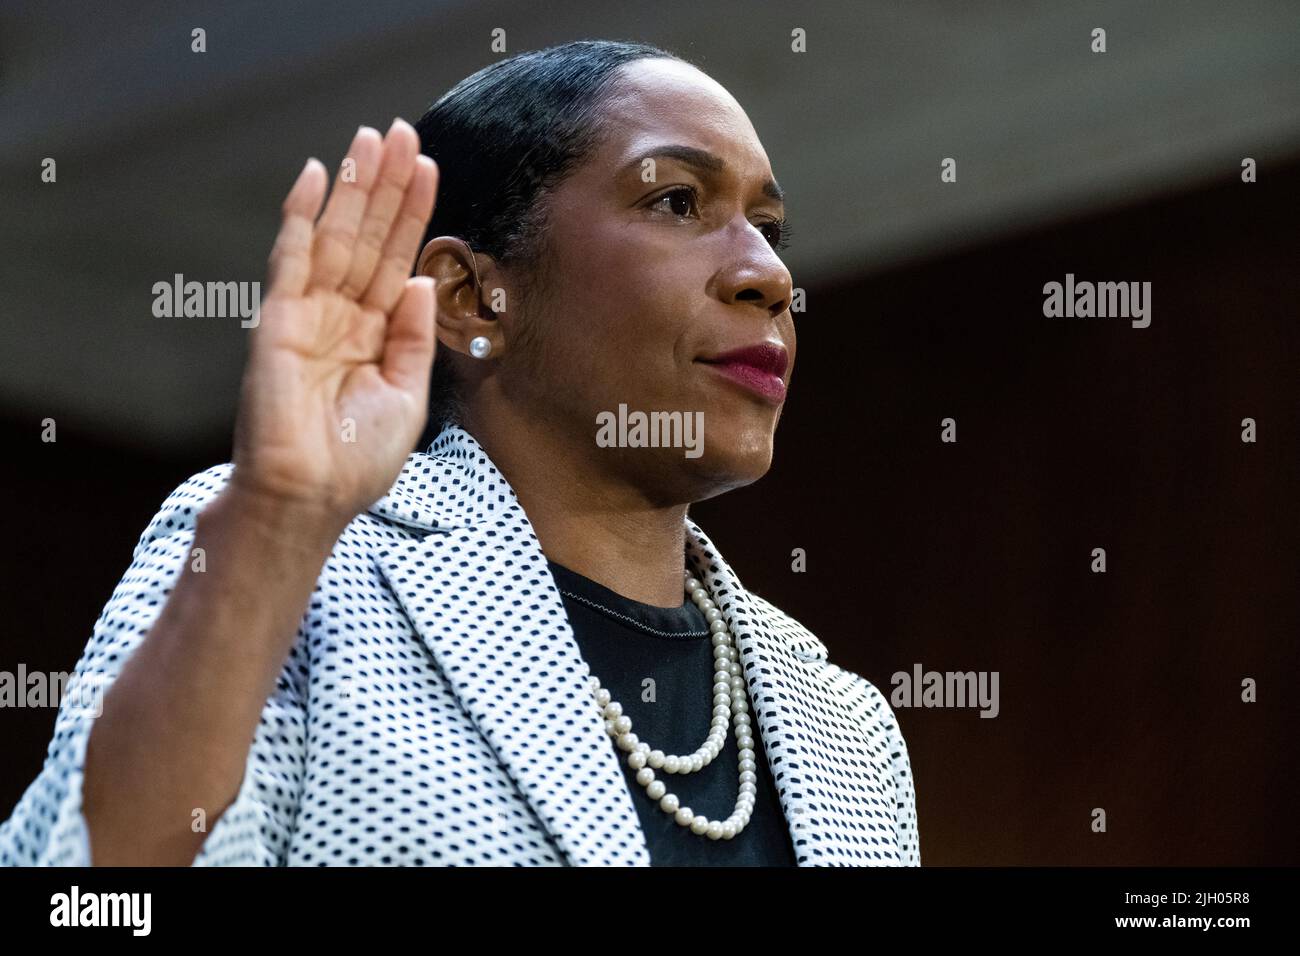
{"points": [[330, 651]]}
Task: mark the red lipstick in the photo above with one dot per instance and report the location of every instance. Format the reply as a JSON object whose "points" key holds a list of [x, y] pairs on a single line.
{"points": [[757, 368]]}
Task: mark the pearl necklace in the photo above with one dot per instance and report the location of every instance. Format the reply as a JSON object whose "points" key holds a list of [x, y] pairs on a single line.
{"points": [[730, 703]]}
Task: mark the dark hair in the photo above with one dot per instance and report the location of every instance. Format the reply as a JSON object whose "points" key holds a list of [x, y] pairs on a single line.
{"points": [[501, 138]]}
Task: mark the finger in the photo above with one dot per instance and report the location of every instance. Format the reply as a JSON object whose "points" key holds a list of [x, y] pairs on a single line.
{"points": [[290, 260], [403, 242], [410, 342], [401, 146], [336, 233]]}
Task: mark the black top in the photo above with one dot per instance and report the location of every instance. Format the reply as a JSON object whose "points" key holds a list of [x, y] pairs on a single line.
{"points": [[629, 644]]}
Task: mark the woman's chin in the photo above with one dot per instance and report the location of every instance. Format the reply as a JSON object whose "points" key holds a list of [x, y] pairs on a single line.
{"points": [[729, 462]]}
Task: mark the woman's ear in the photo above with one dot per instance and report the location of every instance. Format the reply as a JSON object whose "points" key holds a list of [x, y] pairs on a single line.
{"points": [[460, 302]]}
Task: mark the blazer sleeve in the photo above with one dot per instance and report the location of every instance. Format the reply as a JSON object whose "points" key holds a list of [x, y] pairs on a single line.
{"points": [[909, 842], [47, 827], [877, 715]]}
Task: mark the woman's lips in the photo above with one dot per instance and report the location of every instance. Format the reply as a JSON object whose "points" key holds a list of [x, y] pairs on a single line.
{"points": [[759, 368], [759, 381]]}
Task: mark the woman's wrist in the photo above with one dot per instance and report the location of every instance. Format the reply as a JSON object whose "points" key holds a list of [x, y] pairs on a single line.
{"points": [[296, 524]]}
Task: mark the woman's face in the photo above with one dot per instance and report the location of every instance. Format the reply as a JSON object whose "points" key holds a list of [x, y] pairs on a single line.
{"points": [[652, 270]]}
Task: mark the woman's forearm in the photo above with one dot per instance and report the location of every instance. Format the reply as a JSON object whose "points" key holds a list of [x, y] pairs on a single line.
{"points": [[179, 720]]}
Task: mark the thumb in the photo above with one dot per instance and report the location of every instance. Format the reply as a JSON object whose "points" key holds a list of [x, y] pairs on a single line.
{"points": [[410, 342]]}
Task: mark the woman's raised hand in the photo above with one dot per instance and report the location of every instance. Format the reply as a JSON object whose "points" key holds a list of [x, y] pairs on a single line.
{"points": [[335, 391]]}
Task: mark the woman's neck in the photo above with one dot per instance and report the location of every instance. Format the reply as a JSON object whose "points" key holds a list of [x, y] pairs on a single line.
{"points": [[590, 520]]}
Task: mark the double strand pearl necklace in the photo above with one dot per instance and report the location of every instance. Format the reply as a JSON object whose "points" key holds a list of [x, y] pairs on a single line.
{"points": [[730, 704]]}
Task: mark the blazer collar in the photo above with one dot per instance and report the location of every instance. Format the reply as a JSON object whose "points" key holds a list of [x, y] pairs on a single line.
{"points": [[478, 540]]}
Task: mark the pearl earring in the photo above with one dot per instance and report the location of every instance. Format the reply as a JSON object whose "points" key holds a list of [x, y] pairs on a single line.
{"points": [[480, 346]]}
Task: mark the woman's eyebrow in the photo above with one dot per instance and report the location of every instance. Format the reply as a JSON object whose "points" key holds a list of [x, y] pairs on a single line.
{"points": [[702, 160]]}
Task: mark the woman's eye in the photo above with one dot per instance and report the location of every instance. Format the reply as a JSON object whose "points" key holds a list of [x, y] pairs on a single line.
{"points": [[681, 201], [777, 233]]}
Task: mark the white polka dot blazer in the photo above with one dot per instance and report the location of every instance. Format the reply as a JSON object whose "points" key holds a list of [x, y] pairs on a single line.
{"points": [[435, 708]]}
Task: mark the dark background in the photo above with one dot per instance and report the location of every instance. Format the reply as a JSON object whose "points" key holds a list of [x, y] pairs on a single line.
{"points": [[1118, 690]]}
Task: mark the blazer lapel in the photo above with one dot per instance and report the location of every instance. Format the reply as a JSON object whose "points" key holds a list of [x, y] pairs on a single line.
{"points": [[801, 717], [513, 662]]}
